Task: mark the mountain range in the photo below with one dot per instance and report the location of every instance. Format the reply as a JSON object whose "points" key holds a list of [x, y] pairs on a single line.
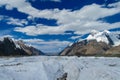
{"points": [[11, 47], [97, 43]]}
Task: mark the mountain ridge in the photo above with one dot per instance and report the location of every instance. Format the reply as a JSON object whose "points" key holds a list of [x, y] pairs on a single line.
{"points": [[11, 47], [97, 43]]}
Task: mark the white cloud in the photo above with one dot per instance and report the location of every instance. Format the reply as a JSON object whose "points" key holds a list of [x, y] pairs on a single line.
{"points": [[81, 21], [47, 0], [115, 5], [38, 30], [52, 0], [33, 40], [75, 37], [47, 46], [21, 6], [96, 26], [56, 0], [3, 36], [13, 21], [6, 36], [91, 11], [8, 7], [18, 22], [82, 28]]}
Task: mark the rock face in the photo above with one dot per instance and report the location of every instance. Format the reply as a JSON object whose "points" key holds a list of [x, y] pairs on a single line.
{"points": [[97, 43], [114, 51], [9, 47], [63, 77], [86, 48]]}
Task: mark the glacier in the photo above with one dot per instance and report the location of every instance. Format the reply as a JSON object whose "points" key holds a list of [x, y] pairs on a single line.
{"points": [[53, 67]]}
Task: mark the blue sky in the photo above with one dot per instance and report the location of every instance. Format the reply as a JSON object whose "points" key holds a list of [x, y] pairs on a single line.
{"points": [[50, 25]]}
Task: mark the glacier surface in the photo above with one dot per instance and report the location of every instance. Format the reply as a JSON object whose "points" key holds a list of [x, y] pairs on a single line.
{"points": [[53, 67]]}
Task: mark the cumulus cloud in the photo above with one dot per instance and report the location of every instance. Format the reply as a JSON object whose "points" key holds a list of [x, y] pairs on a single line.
{"points": [[47, 46], [13, 21], [83, 28], [33, 40], [6, 36], [18, 22], [52, 0], [56, 0], [38, 30], [47, 0], [21, 5], [75, 37], [8, 7], [81, 21]]}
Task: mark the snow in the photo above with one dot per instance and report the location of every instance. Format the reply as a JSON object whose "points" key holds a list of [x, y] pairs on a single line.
{"points": [[16, 43], [17, 46], [115, 39], [101, 36], [80, 40], [70, 44], [1, 39], [53, 67]]}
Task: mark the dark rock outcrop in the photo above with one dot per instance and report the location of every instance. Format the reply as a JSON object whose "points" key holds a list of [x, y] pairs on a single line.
{"points": [[63, 77], [9, 47]]}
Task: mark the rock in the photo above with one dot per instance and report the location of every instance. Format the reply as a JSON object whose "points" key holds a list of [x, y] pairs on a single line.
{"points": [[114, 51], [9, 47], [85, 48], [97, 43], [63, 77]]}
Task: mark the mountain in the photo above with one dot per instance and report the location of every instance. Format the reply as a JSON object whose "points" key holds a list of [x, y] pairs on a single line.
{"points": [[11, 47], [97, 43], [105, 36]]}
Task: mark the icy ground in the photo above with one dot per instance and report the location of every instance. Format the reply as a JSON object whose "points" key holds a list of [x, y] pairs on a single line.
{"points": [[51, 68]]}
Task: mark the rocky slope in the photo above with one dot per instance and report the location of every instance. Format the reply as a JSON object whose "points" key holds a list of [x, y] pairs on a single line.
{"points": [[97, 43], [10, 47]]}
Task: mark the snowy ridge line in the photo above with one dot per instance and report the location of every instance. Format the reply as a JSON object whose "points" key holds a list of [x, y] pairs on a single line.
{"points": [[106, 36]]}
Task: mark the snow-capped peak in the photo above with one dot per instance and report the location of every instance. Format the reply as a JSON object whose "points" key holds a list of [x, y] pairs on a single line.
{"points": [[99, 36], [104, 36]]}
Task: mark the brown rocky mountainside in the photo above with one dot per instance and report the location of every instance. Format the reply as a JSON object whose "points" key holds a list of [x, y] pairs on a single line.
{"points": [[114, 51], [104, 43], [91, 48], [9, 47]]}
